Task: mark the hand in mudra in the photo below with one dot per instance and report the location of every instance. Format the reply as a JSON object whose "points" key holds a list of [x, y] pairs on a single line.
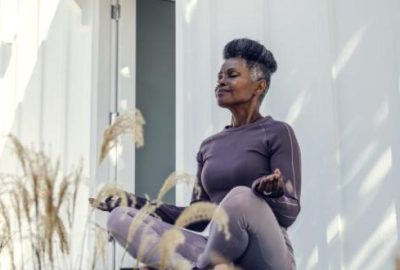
{"points": [[272, 184], [108, 204]]}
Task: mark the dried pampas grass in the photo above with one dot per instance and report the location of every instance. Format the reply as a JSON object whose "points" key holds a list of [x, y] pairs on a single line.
{"points": [[130, 122], [138, 219], [205, 211], [7, 230], [42, 194], [169, 242], [397, 258], [110, 195], [100, 246], [39, 200], [147, 240], [171, 182], [171, 239]]}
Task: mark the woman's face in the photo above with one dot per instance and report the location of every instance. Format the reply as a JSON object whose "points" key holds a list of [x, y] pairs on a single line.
{"points": [[235, 84]]}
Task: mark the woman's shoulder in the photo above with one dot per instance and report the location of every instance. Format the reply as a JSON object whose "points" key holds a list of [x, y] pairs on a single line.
{"points": [[277, 125], [211, 138], [278, 129]]}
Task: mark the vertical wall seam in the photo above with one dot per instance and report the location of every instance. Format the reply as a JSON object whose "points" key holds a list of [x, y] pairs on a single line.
{"points": [[335, 116], [66, 94], [41, 48]]}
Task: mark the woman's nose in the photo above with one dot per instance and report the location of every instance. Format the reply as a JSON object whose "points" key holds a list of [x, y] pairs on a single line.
{"points": [[221, 82]]}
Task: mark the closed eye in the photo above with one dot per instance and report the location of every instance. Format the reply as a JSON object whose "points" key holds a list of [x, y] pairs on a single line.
{"points": [[233, 74]]}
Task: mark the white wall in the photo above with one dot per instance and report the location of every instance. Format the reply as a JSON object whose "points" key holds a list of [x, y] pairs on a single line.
{"points": [[57, 78], [338, 85], [45, 79], [46, 84]]}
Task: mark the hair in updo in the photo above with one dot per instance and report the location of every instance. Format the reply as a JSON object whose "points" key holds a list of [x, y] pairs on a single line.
{"points": [[259, 59]]}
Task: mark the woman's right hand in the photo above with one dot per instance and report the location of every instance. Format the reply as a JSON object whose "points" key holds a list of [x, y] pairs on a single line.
{"points": [[108, 204]]}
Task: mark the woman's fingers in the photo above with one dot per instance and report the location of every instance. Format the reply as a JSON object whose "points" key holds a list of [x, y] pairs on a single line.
{"points": [[91, 201], [277, 173], [281, 183], [102, 206], [278, 187], [272, 183], [107, 205], [263, 184], [99, 205]]}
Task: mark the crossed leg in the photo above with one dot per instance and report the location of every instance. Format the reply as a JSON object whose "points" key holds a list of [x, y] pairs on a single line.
{"points": [[257, 241], [145, 242]]}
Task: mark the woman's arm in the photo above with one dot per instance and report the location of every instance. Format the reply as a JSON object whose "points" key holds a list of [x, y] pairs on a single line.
{"points": [[167, 212], [199, 195], [284, 155], [170, 213]]}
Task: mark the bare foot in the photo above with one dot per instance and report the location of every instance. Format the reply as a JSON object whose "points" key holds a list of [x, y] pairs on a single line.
{"points": [[221, 267]]}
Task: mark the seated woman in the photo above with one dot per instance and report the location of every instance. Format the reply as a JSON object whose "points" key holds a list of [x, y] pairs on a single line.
{"points": [[251, 168]]}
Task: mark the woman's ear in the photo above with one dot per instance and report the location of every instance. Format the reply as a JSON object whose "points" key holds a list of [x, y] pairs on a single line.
{"points": [[261, 87]]}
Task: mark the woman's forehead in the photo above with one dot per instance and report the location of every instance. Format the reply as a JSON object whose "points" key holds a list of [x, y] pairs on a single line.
{"points": [[233, 63]]}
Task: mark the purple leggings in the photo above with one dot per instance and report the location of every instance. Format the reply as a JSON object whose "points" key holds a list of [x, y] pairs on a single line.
{"points": [[257, 241]]}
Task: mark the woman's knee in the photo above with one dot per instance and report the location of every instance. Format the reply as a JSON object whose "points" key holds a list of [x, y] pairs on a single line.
{"points": [[240, 198], [240, 190]]}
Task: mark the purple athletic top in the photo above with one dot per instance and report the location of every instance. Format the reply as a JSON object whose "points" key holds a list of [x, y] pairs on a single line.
{"points": [[238, 156]]}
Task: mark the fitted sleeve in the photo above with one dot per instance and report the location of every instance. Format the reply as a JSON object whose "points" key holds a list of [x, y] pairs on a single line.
{"points": [[284, 152], [170, 213], [199, 194], [167, 212]]}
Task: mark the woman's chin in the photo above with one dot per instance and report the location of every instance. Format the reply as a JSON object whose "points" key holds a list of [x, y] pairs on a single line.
{"points": [[222, 103]]}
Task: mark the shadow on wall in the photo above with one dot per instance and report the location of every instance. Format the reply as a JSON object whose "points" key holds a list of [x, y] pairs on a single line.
{"points": [[52, 98], [48, 90], [5, 57], [50, 105], [350, 219]]}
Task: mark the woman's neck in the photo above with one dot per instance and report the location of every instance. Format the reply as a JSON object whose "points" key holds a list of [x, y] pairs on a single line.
{"points": [[244, 118]]}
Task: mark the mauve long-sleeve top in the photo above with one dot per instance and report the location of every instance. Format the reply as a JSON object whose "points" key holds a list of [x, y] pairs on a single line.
{"points": [[239, 156]]}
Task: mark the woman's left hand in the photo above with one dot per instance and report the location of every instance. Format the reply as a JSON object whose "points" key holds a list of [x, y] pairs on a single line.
{"points": [[272, 184]]}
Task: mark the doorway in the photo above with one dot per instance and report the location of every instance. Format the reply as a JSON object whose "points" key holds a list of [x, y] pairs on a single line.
{"points": [[155, 95]]}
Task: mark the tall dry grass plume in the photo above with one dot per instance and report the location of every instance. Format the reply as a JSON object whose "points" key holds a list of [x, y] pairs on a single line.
{"points": [[167, 244], [7, 231], [174, 237], [109, 191], [43, 202], [205, 211], [100, 246], [39, 198], [178, 177], [171, 239], [130, 122]]}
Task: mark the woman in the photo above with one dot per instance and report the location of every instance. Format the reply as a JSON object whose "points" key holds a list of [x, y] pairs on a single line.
{"points": [[251, 168]]}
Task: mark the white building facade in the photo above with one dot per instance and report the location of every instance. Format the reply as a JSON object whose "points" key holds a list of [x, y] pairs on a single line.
{"points": [[337, 85]]}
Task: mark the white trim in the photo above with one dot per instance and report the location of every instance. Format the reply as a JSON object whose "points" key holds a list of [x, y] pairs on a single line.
{"points": [[291, 149], [180, 189]]}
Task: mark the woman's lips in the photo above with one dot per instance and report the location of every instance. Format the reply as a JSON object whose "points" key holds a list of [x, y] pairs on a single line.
{"points": [[223, 91]]}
